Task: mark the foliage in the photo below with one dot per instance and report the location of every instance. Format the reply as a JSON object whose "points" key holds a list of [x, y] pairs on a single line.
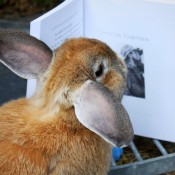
{"points": [[43, 3], [1, 2], [20, 8]]}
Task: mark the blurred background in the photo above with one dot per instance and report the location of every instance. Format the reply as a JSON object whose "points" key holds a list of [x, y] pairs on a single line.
{"points": [[13, 10]]}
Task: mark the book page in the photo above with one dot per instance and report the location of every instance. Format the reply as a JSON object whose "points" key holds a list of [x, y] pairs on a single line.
{"points": [[143, 34], [163, 1], [64, 21]]}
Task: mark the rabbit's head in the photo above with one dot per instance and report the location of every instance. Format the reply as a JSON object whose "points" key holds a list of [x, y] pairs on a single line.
{"points": [[84, 74]]}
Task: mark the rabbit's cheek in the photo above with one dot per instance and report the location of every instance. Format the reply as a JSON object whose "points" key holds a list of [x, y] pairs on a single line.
{"points": [[115, 83], [122, 67], [61, 98]]}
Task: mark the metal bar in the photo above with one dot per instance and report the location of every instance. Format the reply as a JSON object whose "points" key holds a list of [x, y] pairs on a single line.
{"points": [[113, 161], [160, 147], [158, 165], [135, 151]]}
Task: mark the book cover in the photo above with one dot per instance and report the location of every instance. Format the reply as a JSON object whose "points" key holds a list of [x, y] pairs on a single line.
{"points": [[142, 33]]}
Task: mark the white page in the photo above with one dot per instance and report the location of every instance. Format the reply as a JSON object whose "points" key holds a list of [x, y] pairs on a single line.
{"points": [[64, 21], [150, 27], [163, 1]]}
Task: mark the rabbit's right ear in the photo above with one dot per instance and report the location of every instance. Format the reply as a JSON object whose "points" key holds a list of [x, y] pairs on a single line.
{"points": [[99, 110], [25, 55]]}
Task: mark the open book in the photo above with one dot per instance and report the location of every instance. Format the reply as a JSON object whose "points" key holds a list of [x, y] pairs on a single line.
{"points": [[142, 32]]}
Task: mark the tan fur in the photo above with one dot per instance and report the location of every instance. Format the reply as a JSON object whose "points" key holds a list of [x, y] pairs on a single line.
{"points": [[41, 135]]}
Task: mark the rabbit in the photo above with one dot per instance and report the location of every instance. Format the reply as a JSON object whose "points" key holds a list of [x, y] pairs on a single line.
{"points": [[70, 124]]}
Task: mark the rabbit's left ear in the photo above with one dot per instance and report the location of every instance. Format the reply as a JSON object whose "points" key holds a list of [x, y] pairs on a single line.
{"points": [[25, 55], [97, 109]]}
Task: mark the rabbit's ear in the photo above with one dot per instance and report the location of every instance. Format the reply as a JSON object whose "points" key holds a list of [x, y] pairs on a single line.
{"points": [[97, 109], [25, 55]]}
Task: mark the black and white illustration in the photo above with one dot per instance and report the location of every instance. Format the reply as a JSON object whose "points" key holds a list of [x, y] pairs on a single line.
{"points": [[133, 58]]}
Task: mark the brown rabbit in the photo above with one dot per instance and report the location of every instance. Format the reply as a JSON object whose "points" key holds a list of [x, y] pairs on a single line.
{"points": [[68, 126]]}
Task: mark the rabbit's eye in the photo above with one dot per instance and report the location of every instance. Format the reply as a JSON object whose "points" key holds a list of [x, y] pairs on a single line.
{"points": [[99, 71]]}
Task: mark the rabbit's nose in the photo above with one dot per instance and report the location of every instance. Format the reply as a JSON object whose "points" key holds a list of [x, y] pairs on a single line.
{"points": [[126, 141], [123, 144]]}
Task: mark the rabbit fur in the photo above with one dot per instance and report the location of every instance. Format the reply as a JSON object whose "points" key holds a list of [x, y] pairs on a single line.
{"points": [[68, 126]]}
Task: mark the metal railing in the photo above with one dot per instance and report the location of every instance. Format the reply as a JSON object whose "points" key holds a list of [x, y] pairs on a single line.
{"points": [[157, 165]]}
